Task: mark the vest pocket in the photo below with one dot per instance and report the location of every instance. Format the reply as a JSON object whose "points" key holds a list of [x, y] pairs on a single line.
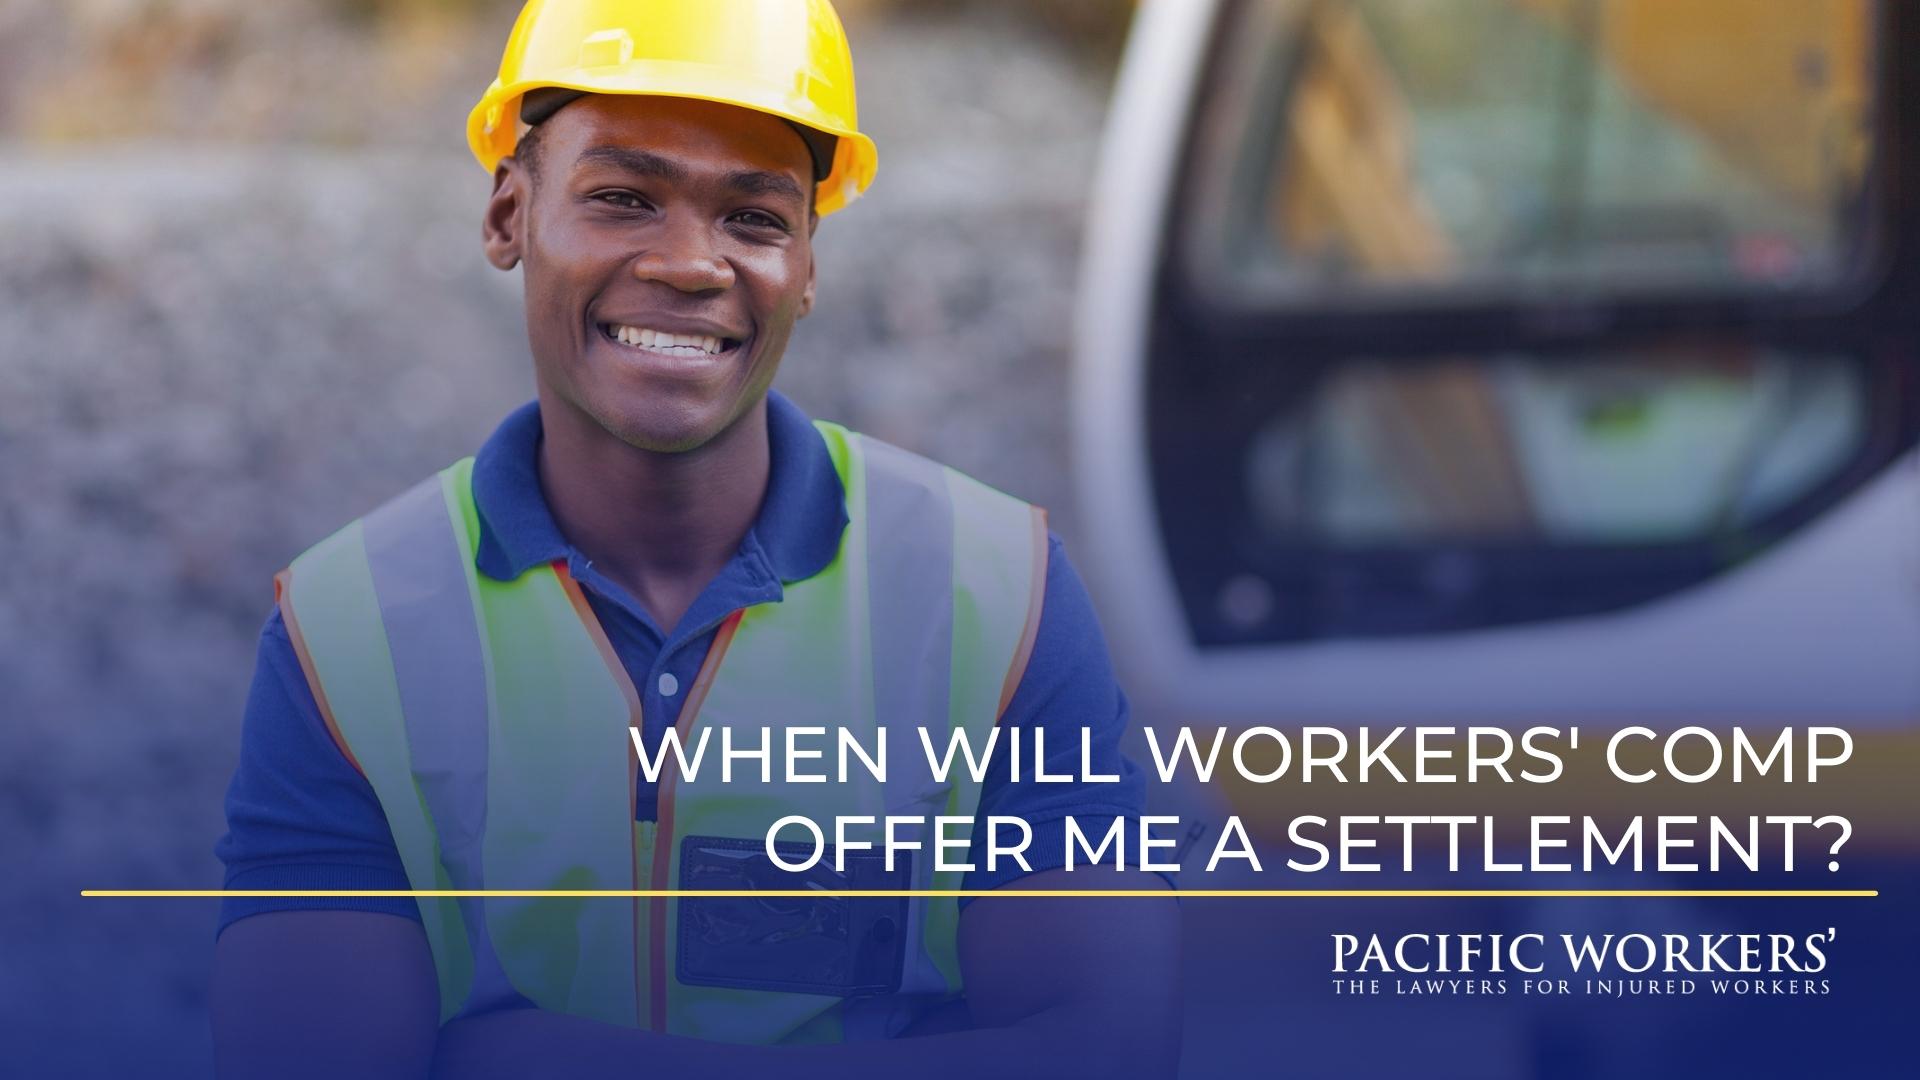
{"points": [[827, 942]]}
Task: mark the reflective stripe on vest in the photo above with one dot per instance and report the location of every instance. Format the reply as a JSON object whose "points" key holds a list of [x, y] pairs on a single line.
{"points": [[491, 720]]}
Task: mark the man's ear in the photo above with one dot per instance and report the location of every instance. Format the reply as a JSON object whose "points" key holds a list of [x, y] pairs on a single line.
{"points": [[505, 222], [806, 299]]}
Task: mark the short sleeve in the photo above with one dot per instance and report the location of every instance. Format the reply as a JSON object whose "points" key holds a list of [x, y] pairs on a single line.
{"points": [[299, 814], [1069, 685]]}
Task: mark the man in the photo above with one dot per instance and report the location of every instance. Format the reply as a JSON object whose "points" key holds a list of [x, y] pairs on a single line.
{"points": [[444, 692]]}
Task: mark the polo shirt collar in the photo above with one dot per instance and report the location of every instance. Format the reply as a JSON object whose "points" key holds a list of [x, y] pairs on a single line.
{"points": [[798, 528]]}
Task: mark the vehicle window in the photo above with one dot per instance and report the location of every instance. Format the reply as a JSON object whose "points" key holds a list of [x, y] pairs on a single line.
{"points": [[1644, 447], [1603, 145]]}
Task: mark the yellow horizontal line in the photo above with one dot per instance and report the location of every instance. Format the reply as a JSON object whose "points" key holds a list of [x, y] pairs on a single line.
{"points": [[769, 894]]}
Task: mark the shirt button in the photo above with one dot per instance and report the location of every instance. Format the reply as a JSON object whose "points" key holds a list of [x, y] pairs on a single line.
{"points": [[669, 685]]}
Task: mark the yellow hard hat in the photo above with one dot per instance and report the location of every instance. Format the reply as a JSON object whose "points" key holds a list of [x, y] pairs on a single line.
{"points": [[787, 58]]}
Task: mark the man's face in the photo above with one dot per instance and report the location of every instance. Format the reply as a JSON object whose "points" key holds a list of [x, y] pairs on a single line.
{"points": [[667, 246]]}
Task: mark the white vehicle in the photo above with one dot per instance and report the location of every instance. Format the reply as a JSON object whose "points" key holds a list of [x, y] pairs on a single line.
{"points": [[1507, 360]]}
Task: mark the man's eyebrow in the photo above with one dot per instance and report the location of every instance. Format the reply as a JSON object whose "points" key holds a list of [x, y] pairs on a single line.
{"points": [[633, 161], [763, 182]]}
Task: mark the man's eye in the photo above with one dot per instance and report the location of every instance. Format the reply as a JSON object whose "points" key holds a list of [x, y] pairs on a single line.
{"points": [[626, 200], [759, 220]]}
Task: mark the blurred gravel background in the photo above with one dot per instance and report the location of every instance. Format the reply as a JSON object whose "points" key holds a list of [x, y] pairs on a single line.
{"points": [[242, 302]]}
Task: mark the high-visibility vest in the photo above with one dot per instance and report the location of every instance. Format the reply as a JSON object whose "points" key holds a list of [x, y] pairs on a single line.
{"points": [[491, 718]]}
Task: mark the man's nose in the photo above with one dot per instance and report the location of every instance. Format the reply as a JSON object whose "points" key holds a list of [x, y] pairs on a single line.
{"points": [[686, 258]]}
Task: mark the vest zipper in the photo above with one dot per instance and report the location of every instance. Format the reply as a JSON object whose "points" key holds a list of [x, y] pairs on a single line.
{"points": [[641, 986], [663, 820], [650, 994]]}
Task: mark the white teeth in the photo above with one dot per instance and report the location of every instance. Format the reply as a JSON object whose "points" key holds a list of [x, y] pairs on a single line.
{"points": [[660, 341]]}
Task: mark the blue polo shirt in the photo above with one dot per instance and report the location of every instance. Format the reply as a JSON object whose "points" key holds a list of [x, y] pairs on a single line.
{"points": [[301, 817]]}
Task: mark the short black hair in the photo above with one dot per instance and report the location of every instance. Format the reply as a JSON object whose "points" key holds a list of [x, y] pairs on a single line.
{"points": [[528, 153]]}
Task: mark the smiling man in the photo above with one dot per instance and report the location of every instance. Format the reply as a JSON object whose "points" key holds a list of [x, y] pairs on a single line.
{"points": [[445, 690]]}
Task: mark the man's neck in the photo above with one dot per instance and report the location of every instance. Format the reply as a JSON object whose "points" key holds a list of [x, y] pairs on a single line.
{"points": [[660, 525]]}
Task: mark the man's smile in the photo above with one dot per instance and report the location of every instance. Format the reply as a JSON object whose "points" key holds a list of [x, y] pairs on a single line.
{"points": [[696, 343]]}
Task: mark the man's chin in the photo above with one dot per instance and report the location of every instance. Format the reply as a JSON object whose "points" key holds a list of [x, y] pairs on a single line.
{"points": [[663, 427]]}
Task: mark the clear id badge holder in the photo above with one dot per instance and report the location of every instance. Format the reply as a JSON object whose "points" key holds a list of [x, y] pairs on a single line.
{"points": [[838, 945]]}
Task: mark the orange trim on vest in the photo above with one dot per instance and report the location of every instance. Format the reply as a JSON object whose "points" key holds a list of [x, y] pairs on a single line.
{"points": [[598, 634], [1036, 597], [282, 585], [663, 832]]}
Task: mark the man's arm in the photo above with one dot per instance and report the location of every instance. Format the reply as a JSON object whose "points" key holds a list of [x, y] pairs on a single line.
{"points": [[324, 994], [313, 986], [1056, 987]]}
